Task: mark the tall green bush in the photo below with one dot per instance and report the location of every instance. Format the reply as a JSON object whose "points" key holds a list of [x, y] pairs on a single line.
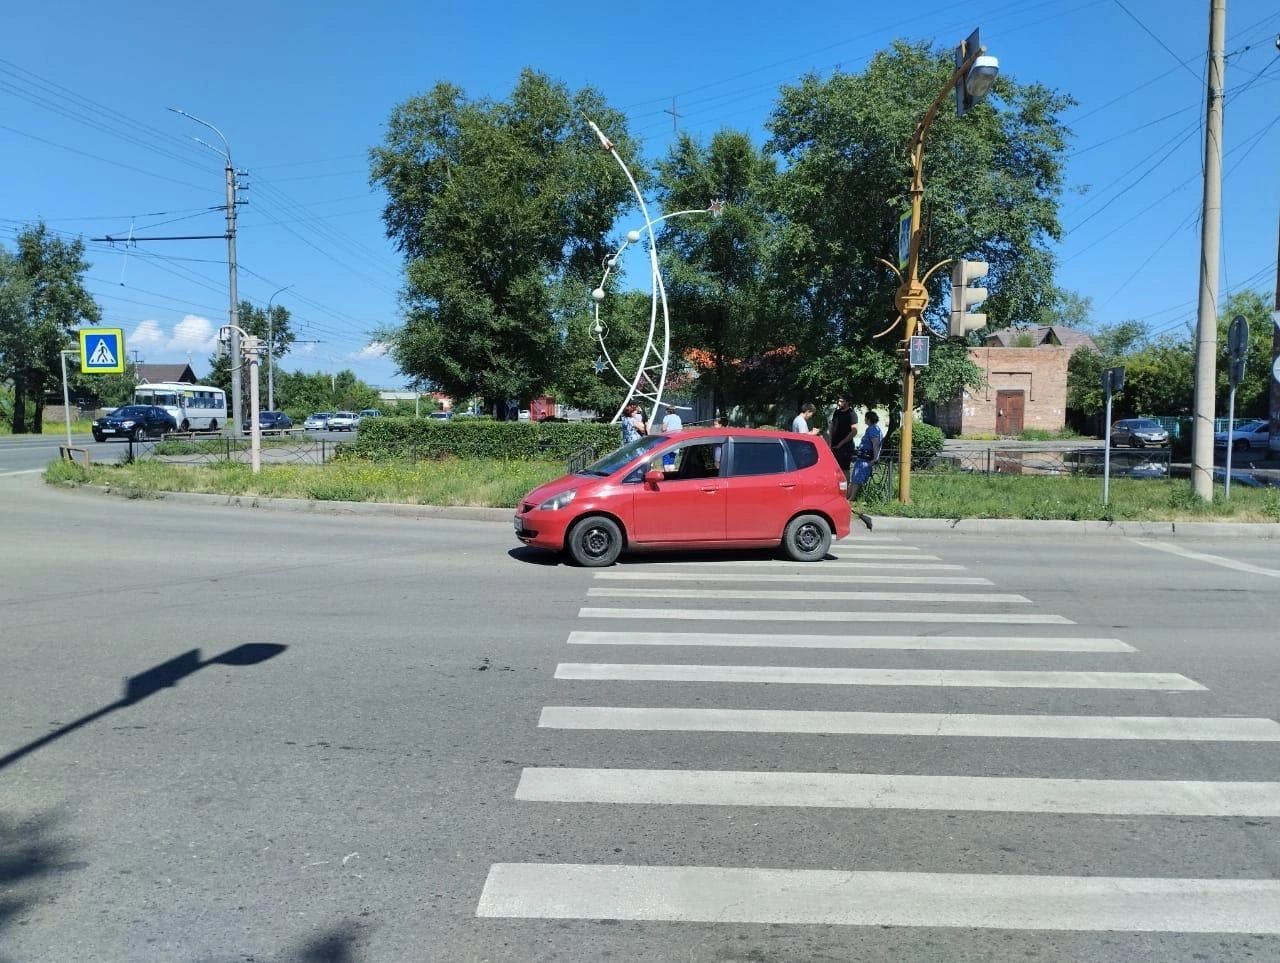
{"points": [[381, 438]]}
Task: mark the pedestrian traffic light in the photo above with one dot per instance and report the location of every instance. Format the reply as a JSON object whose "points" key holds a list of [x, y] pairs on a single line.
{"points": [[964, 297]]}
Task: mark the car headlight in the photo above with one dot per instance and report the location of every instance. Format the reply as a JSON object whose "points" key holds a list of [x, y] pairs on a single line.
{"points": [[556, 502]]}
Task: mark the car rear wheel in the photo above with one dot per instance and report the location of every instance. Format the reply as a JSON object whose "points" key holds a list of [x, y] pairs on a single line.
{"points": [[213, 425], [595, 542], [807, 538], [186, 425], [136, 434]]}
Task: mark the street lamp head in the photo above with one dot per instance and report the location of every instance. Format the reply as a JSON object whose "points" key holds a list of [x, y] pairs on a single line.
{"points": [[981, 76]]}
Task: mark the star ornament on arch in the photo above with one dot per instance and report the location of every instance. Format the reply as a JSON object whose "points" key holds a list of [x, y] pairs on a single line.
{"points": [[716, 207]]}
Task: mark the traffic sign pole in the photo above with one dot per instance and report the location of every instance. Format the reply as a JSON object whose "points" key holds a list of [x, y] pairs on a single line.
{"points": [[66, 394], [1238, 347]]}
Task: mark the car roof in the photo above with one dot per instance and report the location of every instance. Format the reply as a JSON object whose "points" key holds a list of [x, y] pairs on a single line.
{"points": [[734, 433]]}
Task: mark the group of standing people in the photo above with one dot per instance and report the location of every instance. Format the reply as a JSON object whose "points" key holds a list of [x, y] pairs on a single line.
{"points": [[634, 425], [857, 461]]}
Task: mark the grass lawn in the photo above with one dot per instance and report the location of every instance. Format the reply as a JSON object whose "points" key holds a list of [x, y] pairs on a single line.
{"points": [[451, 481], [80, 427], [496, 483], [1070, 497]]}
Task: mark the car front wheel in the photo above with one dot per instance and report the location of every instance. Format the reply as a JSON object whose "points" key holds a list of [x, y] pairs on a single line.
{"points": [[807, 538], [595, 542]]}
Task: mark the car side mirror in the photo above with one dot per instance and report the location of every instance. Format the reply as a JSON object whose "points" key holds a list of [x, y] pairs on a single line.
{"points": [[652, 477]]}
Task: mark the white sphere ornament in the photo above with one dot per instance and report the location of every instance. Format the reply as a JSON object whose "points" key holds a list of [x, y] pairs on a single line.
{"points": [[599, 328], [597, 295], [613, 262], [633, 236]]}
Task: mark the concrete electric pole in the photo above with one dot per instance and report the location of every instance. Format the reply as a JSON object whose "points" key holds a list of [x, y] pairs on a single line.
{"points": [[1210, 239], [1275, 356]]}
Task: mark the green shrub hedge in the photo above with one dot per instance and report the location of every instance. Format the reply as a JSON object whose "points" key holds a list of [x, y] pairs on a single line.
{"points": [[475, 438]]}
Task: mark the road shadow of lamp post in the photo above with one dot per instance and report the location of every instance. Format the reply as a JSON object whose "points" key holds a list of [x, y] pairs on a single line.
{"points": [[650, 378]]}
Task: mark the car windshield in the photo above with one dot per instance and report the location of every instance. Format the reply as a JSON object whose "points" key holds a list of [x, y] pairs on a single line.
{"points": [[1250, 426], [622, 456], [129, 411], [1146, 425], [323, 414]]}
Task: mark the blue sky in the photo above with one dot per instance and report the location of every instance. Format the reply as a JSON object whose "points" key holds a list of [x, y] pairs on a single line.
{"points": [[302, 90]]}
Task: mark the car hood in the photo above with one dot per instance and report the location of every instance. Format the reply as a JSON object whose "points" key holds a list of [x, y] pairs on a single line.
{"points": [[563, 484]]}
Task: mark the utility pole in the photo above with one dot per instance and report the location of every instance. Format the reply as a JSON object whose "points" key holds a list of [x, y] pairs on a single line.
{"points": [[675, 116], [237, 399], [1275, 356], [271, 344], [1210, 240]]}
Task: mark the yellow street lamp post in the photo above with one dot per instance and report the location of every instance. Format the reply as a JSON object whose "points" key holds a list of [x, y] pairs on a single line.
{"points": [[972, 78]]}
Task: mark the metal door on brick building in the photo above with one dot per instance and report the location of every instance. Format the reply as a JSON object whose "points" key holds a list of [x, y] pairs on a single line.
{"points": [[1010, 407]]}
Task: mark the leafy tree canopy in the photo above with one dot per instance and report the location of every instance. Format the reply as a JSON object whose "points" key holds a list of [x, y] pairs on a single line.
{"points": [[492, 204], [42, 302]]}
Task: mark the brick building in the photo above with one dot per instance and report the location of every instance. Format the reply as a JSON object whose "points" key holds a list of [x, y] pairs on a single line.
{"points": [[1024, 383]]}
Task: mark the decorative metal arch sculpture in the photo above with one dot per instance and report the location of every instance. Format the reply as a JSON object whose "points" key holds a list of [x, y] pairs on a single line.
{"points": [[652, 359]]}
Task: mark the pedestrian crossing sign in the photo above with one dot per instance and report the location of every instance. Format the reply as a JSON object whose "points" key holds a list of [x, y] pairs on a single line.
{"points": [[102, 350]]}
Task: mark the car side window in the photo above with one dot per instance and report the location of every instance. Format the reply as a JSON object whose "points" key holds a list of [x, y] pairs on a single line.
{"points": [[690, 461], [803, 453], [757, 458]]}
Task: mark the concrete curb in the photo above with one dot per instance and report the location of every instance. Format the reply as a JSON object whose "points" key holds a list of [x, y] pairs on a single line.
{"points": [[886, 524]]}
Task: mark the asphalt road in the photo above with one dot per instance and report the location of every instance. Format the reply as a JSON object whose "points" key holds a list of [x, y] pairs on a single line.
{"points": [[176, 786]]}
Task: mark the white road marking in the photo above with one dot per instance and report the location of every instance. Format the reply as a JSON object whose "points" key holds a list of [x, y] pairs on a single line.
{"points": [[854, 578], [662, 616], [715, 894], [896, 554], [806, 721], [1205, 557], [844, 790], [824, 675], [938, 643], [767, 563], [806, 595], [25, 471]]}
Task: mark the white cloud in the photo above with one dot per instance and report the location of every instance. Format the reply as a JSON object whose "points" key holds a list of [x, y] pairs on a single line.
{"points": [[148, 334], [193, 334], [372, 351]]}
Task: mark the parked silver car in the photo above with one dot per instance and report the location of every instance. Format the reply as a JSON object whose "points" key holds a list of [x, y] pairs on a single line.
{"points": [[317, 422], [1138, 433]]}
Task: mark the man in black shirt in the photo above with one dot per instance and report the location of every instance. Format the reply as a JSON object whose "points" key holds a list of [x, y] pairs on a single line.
{"points": [[843, 431]]}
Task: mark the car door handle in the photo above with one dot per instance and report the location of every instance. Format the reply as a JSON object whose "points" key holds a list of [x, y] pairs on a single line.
{"points": [[711, 491], [787, 485]]}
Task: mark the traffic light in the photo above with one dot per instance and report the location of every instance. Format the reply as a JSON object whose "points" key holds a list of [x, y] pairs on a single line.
{"points": [[964, 297]]}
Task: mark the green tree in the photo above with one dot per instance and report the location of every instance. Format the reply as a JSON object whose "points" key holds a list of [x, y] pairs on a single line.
{"points": [[49, 271], [992, 181], [1084, 371], [716, 267], [1253, 398], [492, 203], [1159, 378], [301, 393], [15, 296], [625, 317]]}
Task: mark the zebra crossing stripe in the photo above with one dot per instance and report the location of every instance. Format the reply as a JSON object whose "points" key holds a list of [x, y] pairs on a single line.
{"points": [[962, 725], [827, 675], [822, 615], [835, 565], [859, 578], [714, 894], [832, 790], [623, 593], [937, 643]]}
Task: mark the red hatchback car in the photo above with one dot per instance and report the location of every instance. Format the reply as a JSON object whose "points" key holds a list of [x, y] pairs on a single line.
{"points": [[701, 488]]}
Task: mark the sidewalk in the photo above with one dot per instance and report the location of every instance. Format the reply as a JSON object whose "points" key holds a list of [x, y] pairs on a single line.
{"points": [[884, 524]]}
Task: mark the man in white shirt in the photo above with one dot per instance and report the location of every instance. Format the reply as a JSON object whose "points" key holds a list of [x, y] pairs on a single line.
{"points": [[671, 423], [801, 422]]}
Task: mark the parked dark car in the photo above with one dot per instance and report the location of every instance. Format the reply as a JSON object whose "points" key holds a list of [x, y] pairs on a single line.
{"points": [[1138, 433], [134, 421], [272, 420]]}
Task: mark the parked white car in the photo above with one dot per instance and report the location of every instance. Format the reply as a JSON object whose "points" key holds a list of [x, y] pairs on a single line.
{"points": [[343, 421], [1247, 435]]}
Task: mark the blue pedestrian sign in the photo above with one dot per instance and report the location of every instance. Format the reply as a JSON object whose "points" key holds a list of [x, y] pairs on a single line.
{"points": [[102, 350]]}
